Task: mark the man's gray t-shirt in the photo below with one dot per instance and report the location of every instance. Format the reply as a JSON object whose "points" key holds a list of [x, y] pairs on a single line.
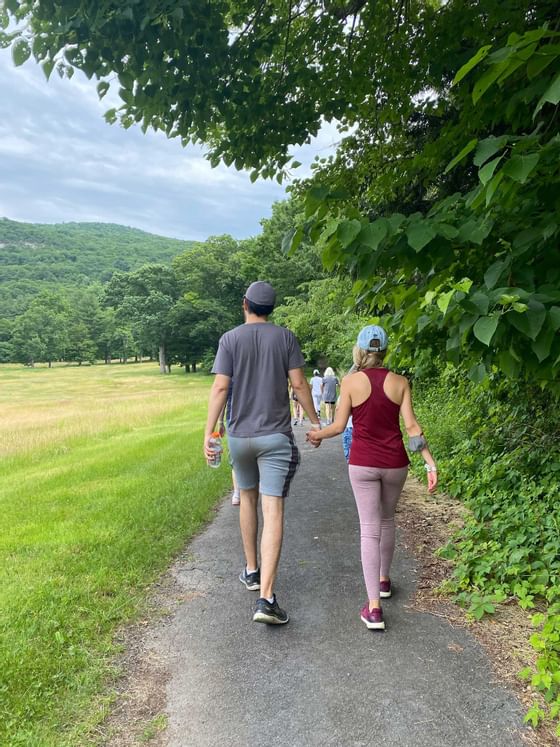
{"points": [[258, 357]]}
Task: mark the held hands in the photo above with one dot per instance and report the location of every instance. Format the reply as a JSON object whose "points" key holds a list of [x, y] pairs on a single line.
{"points": [[313, 438]]}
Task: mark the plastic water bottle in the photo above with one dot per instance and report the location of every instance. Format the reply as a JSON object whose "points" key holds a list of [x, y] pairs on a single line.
{"points": [[215, 444]]}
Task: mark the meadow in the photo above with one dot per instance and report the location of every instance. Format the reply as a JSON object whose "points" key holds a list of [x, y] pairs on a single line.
{"points": [[102, 481]]}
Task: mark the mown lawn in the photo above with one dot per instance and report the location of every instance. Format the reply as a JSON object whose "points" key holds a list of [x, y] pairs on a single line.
{"points": [[101, 482]]}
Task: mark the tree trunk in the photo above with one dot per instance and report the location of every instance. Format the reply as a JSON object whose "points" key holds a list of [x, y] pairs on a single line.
{"points": [[162, 359], [194, 367], [50, 364]]}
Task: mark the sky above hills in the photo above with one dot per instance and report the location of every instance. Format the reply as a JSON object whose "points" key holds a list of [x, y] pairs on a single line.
{"points": [[60, 161]]}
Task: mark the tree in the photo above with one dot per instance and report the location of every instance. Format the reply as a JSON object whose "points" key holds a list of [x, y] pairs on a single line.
{"points": [[325, 321], [476, 274], [40, 333], [250, 81], [143, 300]]}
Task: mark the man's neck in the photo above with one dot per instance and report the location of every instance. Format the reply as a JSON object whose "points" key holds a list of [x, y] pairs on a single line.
{"points": [[254, 319]]}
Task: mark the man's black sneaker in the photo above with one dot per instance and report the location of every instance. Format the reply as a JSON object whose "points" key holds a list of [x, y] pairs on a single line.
{"points": [[251, 580], [265, 612]]}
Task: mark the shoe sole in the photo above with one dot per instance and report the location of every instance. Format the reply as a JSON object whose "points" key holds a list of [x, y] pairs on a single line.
{"points": [[251, 587], [235, 503], [262, 617], [385, 594], [373, 626]]}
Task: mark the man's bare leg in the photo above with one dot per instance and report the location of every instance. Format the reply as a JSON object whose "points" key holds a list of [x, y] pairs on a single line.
{"points": [[271, 541], [249, 524]]}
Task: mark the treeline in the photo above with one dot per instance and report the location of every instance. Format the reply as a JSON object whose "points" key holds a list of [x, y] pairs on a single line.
{"points": [[38, 257], [175, 312]]}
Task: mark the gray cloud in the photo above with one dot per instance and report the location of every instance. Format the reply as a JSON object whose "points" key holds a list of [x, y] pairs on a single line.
{"points": [[60, 161]]}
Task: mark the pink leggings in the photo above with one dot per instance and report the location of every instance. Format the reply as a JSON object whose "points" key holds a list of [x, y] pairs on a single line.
{"points": [[377, 492]]}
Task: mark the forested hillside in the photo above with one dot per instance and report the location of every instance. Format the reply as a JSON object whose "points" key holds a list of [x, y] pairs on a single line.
{"points": [[35, 257]]}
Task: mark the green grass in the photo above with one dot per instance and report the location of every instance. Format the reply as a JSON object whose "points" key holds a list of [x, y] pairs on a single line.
{"points": [[88, 519]]}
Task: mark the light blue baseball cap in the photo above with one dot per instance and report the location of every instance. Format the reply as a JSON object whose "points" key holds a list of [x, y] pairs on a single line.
{"points": [[373, 339]]}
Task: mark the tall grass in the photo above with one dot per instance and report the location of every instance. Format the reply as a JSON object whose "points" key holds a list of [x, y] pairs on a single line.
{"points": [[102, 480]]}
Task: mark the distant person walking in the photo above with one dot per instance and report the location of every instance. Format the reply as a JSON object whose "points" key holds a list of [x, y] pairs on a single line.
{"points": [[316, 384], [374, 397], [260, 357], [330, 385]]}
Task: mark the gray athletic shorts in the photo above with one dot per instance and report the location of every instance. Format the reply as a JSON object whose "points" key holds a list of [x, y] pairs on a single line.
{"points": [[271, 461]]}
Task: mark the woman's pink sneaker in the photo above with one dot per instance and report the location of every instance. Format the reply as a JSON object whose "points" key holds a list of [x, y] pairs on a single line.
{"points": [[372, 618], [385, 589]]}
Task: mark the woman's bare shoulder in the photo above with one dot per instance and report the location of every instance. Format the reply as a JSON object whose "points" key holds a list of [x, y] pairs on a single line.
{"points": [[398, 380], [351, 378]]}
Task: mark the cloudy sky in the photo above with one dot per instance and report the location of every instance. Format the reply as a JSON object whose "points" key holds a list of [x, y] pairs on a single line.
{"points": [[60, 161]]}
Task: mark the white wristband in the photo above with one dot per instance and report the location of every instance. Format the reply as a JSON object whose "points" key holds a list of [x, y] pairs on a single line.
{"points": [[429, 468], [316, 426]]}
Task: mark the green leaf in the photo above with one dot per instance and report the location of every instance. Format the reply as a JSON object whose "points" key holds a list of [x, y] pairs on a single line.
{"points": [[484, 83], [485, 328], [347, 231], [530, 322], [487, 147], [538, 63], [477, 373], [463, 285], [493, 186], [478, 302], [508, 364], [542, 345], [448, 232], [550, 96], [554, 316], [444, 300], [292, 239], [459, 157], [373, 233], [48, 66], [254, 176], [474, 231], [20, 52], [419, 234], [423, 322], [396, 220], [313, 198], [494, 273], [519, 167], [295, 164], [487, 171], [470, 64], [102, 88]]}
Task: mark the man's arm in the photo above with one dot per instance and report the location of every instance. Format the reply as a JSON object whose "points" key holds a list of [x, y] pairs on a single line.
{"points": [[216, 404], [303, 393]]}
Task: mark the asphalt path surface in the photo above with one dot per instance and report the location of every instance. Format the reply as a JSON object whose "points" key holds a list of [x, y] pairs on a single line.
{"points": [[324, 678]]}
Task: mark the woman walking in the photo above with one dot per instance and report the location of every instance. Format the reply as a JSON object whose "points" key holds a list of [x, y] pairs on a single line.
{"points": [[330, 383], [378, 465]]}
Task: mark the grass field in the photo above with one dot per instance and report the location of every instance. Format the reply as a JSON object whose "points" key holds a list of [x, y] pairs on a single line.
{"points": [[101, 482]]}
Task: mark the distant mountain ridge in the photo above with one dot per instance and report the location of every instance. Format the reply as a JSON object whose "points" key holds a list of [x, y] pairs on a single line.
{"points": [[35, 256]]}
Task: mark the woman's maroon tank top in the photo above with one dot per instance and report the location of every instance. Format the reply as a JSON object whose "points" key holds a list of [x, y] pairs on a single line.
{"points": [[376, 436]]}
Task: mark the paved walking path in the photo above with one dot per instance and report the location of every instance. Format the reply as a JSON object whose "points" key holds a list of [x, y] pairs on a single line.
{"points": [[323, 679]]}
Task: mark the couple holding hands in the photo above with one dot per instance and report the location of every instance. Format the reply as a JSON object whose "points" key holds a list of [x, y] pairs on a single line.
{"points": [[258, 356]]}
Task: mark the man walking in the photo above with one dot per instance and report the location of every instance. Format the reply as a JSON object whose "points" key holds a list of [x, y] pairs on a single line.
{"points": [[261, 357]]}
